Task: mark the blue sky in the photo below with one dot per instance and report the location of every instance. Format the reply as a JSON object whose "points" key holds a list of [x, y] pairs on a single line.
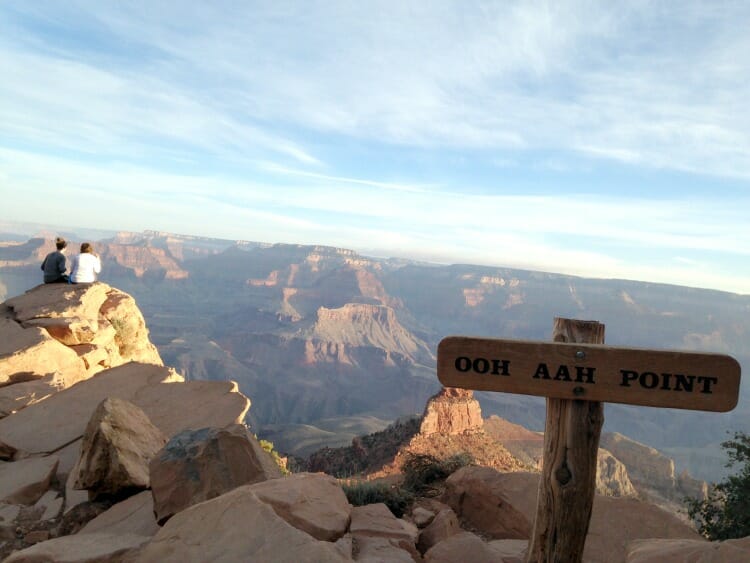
{"points": [[605, 139]]}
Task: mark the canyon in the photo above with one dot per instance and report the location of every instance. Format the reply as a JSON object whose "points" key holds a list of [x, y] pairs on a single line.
{"points": [[332, 344], [124, 460]]}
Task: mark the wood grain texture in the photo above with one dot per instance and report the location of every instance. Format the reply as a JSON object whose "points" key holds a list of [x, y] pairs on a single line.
{"points": [[568, 483], [656, 378]]}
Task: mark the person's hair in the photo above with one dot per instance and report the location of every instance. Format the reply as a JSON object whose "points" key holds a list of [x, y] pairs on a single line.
{"points": [[60, 243], [87, 248]]}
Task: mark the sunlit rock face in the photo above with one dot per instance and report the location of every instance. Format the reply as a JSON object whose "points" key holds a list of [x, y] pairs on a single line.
{"points": [[56, 335]]}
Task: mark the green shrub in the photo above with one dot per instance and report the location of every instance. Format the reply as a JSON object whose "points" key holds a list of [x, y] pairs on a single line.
{"points": [[268, 447], [396, 498], [725, 514], [422, 470]]}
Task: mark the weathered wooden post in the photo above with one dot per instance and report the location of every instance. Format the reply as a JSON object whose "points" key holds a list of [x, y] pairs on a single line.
{"points": [[571, 444], [577, 373]]}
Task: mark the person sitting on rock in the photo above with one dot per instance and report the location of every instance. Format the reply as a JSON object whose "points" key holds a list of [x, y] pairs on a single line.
{"points": [[53, 265], [85, 265]]}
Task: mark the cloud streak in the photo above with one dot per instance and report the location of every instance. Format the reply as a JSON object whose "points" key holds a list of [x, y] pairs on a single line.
{"points": [[344, 124]]}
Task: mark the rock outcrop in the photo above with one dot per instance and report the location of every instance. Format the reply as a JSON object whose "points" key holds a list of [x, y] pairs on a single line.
{"points": [[452, 411], [503, 505], [117, 446], [451, 425], [198, 465], [652, 472], [681, 550], [56, 335]]}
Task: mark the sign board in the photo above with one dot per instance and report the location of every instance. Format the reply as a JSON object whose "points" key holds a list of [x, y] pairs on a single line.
{"points": [[592, 372]]}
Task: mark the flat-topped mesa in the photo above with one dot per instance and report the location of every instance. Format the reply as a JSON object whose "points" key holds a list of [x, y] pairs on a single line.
{"points": [[362, 324], [452, 411]]}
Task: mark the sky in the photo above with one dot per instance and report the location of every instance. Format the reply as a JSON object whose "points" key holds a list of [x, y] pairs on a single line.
{"points": [[603, 139]]}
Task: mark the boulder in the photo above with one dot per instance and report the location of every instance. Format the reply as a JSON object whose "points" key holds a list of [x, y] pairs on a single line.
{"points": [[483, 498], [377, 521], [236, 526], [30, 353], [677, 551], [617, 521], [378, 550], [50, 504], [134, 515], [73, 497], [20, 395], [117, 446], [510, 551], [444, 525], [421, 516], [463, 546], [171, 406], [62, 418], [313, 502], [67, 333], [87, 548], [57, 301], [501, 505], [26, 480], [198, 465], [131, 334]]}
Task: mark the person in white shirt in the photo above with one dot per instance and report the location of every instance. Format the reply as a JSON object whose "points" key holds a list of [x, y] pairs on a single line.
{"points": [[85, 265]]}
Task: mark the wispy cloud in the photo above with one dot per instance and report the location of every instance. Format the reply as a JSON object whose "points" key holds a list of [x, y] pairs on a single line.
{"points": [[335, 122]]}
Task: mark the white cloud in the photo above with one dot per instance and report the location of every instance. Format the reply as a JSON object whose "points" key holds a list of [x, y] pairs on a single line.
{"points": [[258, 105]]}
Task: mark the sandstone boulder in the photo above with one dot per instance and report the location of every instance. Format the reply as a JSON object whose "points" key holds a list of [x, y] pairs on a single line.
{"points": [[20, 395], [444, 525], [50, 504], [236, 526], [30, 353], [171, 404], [617, 521], [482, 498], [678, 551], [88, 548], [198, 465], [313, 502], [58, 301], [134, 515], [131, 334], [69, 331], [26, 480], [62, 418], [500, 504], [463, 546], [378, 550], [118, 444], [66, 333], [376, 521]]}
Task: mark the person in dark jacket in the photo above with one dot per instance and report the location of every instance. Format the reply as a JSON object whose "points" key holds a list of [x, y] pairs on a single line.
{"points": [[54, 264]]}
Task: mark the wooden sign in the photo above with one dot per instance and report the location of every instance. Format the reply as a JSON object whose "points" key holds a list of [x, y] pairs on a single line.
{"points": [[592, 372]]}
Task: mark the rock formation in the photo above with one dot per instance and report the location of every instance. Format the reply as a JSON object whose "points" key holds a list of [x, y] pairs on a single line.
{"points": [[117, 446], [652, 472], [483, 515], [452, 411], [56, 335], [198, 465]]}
